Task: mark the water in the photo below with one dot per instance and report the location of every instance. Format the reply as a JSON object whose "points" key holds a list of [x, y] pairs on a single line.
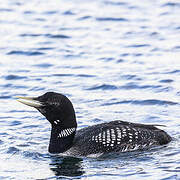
{"points": [[113, 59]]}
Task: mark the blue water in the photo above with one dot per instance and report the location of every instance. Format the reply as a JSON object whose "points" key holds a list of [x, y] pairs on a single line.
{"points": [[114, 59]]}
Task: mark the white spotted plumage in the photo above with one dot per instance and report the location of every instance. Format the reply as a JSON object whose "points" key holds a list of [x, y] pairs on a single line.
{"points": [[110, 137], [115, 136]]}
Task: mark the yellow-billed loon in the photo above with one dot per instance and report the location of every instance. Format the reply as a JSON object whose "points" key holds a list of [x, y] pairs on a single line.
{"points": [[115, 136]]}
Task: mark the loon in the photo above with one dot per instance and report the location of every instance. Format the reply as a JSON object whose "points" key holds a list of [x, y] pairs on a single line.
{"points": [[114, 136]]}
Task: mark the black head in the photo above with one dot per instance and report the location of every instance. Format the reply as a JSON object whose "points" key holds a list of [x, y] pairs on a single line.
{"points": [[56, 107]]}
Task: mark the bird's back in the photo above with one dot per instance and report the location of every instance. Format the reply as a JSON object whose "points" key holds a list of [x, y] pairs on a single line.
{"points": [[117, 136]]}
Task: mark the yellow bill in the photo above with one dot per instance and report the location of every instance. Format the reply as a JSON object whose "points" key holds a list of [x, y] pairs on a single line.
{"points": [[29, 101]]}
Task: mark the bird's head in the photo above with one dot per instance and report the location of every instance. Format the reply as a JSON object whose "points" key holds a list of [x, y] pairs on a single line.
{"points": [[56, 107]]}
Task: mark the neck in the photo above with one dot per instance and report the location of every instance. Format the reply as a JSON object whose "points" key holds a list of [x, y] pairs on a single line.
{"points": [[61, 139]]}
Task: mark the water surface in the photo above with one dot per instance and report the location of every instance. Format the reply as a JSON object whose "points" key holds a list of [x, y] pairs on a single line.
{"points": [[113, 59]]}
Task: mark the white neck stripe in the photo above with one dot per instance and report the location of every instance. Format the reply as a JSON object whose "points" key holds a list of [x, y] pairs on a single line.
{"points": [[66, 132]]}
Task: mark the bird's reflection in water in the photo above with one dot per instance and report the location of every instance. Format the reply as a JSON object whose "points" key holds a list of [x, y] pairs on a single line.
{"points": [[67, 166]]}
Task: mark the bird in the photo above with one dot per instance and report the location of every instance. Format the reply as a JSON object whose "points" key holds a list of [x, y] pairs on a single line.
{"points": [[109, 137]]}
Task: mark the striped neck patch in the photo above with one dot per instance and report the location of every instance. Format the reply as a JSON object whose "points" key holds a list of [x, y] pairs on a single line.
{"points": [[66, 132]]}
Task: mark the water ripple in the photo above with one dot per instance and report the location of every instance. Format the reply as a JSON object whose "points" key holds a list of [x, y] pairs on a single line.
{"points": [[57, 36], [68, 12], [138, 45], [171, 4], [130, 77], [133, 85], [62, 75], [14, 77], [26, 53], [43, 65], [5, 97], [50, 12], [85, 75], [5, 10], [15, 123], [53, 36], [1, 142], [84, 17], [166, 81], [177, 71], [111, 19], [45, 48], [33, 155], [143, 102], [115, 3], [12, 150], [29, 12], [30, 35], [103, 87]]}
